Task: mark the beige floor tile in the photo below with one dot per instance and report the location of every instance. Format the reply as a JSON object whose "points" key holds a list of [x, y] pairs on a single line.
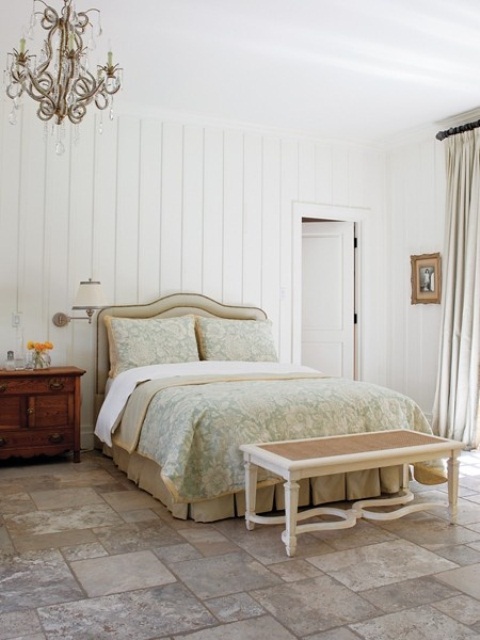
{"points": [[129, 500], [57, 521], [83, 551], [65, 498], [145, 614], [208, 540], [15, 503], [115, 574], [139, 515], [341, 633], [381, 564], [36, 578], [408, 594], [129, 537], [32, 542], [20, 624], [224, 575], [294, 569], [237, 606], [462, 608], [420, 623], [466, 579], [313, 605], [265, 627]]}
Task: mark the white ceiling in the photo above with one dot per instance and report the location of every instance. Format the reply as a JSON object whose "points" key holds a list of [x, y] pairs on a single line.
{"points": [[350, 69]]}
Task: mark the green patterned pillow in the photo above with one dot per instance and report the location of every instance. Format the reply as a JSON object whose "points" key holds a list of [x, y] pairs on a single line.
{"points": [[139, 342], [247, 340]]}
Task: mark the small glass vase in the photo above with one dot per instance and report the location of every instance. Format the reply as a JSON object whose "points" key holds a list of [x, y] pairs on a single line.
{"points": [[41, 360]]}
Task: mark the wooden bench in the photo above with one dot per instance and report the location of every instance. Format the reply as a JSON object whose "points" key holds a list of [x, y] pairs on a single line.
{"points": [[293, 460]]}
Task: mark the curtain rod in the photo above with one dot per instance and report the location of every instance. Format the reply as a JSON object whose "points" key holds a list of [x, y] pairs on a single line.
{"points": [[441, 135]]}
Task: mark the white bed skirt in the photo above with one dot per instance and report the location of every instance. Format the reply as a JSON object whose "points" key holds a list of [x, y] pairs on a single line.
{"points": [[336, 488]]}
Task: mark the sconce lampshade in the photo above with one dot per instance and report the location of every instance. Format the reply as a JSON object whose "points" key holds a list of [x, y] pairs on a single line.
{"points": [[89, 295]]}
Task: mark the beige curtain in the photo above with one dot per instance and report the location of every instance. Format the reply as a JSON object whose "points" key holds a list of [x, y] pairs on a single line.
{"points": [[456, 399]]}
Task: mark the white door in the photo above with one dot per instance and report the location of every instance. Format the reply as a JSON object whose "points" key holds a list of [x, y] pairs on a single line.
{"points": [[328, 298]]}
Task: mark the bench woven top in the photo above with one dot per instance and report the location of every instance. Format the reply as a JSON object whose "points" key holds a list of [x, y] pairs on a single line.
{"points": [[350, 444]]}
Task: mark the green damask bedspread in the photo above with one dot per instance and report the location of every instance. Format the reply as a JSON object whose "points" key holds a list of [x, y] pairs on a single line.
{"points": [[194, 431]]}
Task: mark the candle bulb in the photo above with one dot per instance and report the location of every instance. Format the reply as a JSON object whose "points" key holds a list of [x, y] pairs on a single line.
{"points": [[110, 59], [71, 42], [22, 45]]}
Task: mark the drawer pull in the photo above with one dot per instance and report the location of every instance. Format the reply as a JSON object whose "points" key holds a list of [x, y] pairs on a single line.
{"points": [[55, 438], [30, 411], [56, 385], [3, 442], [3, 387]]}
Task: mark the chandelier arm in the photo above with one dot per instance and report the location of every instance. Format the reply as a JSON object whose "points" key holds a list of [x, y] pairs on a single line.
{"points": [[89, 89], [36, 83]]}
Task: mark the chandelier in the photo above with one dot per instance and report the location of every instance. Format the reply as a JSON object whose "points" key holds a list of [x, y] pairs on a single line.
{"points": [[59, 79]]}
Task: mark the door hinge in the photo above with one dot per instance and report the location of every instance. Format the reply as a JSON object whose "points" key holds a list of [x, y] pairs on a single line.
{"points": [[355, 318], [355, 242]]}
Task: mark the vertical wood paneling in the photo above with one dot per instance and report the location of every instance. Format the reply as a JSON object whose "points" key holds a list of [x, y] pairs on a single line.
{"points": [[415, 226], [149, 210], [32, 213], [306, 171], [233, 216], [128, 197], [68, 233], [323, 173], [270, 272], [79, 258], [340, 176], [172, 194], [358, 177], [289, 194], [252, 219], [192, 235], [104, 207], [213, 214], [10, 228]]}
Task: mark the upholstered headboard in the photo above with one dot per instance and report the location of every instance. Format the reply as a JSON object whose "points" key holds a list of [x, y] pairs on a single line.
{"points": [[174, 305]]}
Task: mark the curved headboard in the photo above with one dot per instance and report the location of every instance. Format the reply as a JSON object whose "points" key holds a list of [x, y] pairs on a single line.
{"points": [[174, 305]]}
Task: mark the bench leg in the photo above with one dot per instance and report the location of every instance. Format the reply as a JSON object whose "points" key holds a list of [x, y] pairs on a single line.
{"points": [[453, 468], [250, 493], [291, 510]]}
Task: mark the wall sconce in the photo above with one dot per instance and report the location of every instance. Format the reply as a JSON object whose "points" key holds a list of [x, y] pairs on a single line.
{"points": [[89, 297]]}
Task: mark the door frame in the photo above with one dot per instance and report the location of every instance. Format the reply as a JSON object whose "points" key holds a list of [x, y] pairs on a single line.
{"points": [[313, 211]]}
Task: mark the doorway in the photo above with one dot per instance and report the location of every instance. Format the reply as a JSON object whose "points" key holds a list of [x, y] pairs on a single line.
{"points": [[328, 297], [320, 213]]}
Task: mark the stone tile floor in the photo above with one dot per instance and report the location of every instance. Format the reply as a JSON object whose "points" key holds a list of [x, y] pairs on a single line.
{"points": [[85, 555]]}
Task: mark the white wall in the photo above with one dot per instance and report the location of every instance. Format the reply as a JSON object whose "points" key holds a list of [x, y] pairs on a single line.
{"points": [[151, 206], [416, 219]]}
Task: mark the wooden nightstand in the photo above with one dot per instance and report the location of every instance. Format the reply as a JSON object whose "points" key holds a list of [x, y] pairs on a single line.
{"points": [[40, 412]]}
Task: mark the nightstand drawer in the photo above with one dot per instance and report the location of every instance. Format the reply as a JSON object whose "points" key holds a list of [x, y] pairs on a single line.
{"points": [[32, 442], [44, 384], [37, 411]]}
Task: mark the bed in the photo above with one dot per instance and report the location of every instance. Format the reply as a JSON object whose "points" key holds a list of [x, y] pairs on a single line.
{"points": [[182, 382]]}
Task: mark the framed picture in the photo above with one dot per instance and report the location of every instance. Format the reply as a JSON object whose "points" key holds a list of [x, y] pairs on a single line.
{"points": [[426, 278]]}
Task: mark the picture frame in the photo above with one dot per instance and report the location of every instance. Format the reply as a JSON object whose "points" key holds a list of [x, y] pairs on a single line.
{"points": [[426, 278]]}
